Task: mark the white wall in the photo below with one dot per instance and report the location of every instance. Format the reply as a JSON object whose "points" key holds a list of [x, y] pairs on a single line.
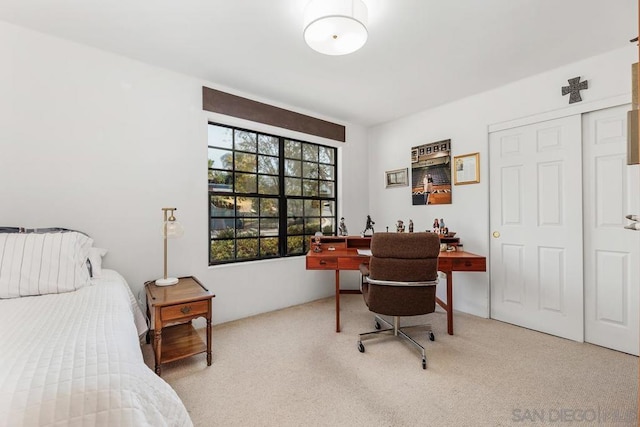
{"points": [[466, 123], [100, 143]]}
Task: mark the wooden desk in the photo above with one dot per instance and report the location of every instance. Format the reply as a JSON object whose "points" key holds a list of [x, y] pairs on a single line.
{"points": [[347, 258]]}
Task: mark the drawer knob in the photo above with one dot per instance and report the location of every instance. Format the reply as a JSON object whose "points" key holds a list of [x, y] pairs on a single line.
{"points": [[186, 309], [322, 262]]}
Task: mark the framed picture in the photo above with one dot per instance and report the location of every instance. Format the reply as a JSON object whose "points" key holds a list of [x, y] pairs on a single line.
{"points": [[431, 173], [466, 169], [396, 178]]}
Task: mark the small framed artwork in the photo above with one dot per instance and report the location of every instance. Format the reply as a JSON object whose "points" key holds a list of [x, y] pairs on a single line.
{"points": [[466, 169], [397, 178]]}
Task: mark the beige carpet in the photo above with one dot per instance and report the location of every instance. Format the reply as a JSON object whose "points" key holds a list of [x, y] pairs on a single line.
{"points": [[289, 368]]}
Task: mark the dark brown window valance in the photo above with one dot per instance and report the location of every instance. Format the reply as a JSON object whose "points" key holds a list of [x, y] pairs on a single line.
{"points": [[243, 108]]}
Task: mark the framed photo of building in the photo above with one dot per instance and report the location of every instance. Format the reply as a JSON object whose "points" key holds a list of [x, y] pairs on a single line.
{"points": [[466, 169], [431, 173], [397, 178]]}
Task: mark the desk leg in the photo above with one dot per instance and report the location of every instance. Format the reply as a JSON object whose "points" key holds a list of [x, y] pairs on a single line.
{"points": [[450, 302], [337, 300]]}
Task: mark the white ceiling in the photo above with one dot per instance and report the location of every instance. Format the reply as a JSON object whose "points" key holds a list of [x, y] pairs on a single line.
{"points": [[420, 53]]}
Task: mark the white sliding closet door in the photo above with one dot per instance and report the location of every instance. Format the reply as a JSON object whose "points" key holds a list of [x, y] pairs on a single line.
{"points": [[536, 224]]}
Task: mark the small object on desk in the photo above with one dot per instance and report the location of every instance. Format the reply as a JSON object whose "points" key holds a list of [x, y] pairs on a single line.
{"points": [[410, 226], [342, 228], [400, 226], [368, 226], [364, 252]]}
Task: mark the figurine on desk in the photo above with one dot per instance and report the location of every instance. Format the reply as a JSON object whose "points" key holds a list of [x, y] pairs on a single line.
{"points": [[369, 226], [410, 226], [342, 228], [400, 226]]}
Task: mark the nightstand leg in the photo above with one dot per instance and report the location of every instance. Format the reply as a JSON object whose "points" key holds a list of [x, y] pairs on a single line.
{"points": [[209, 338], [157, 349]]}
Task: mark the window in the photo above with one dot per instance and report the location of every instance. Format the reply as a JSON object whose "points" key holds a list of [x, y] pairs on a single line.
{"points": [[267, 194]]}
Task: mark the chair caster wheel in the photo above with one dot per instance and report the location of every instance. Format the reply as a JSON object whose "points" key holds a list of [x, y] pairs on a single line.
{"points": [[360, 347], [424, 363], [377, 325], [431, 336]]}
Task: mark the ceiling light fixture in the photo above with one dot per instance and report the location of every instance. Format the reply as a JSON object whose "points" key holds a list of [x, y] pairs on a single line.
{"points": [[335, 27]]}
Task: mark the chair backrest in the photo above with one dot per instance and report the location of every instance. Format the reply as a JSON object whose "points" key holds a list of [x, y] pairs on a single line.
{"points": [[404, 257]]}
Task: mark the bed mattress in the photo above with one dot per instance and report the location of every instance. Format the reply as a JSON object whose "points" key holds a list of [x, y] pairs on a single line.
{"points": [[74, 359]]}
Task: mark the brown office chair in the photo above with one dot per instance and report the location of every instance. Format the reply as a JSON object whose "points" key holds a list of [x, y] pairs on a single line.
{"points": [[401, 281]]}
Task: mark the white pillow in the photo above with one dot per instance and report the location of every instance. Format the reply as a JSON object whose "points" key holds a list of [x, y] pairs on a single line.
{"points": [[95, 258], [43, 263]]}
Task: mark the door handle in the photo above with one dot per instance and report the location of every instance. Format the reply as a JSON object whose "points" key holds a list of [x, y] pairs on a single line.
{"points": [[496, 234], [636, 225]]}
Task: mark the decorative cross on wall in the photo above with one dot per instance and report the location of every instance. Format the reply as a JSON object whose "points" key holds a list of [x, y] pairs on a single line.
{"points": [[574, 88]]}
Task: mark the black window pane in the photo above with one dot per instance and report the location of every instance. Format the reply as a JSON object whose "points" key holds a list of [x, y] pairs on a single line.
{"points": [[220, 181], [309, 188], [326, 155], [295, 245], [292, 187], [269, 247], [246, 183], [245, 141], [311, 224], [220, 159], [247, 248], [248, 206], [326, 189], [268, 184], [292, 149], [246, 162], [268, 165], [269, 208], [310, 170], [326, 172], [222, 250], [312, 208], [219, 136], [268, 145], [310, 152], [293, 168], [269, 227]]}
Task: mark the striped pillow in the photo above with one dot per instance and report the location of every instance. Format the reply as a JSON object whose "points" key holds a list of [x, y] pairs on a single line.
{"points": [[43, 263]]}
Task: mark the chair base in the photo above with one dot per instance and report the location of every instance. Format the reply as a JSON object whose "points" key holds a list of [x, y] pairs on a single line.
{"points": [[397, 331]]}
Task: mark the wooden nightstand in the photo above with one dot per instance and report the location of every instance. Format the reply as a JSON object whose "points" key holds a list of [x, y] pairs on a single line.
{"points": [[171, 310]]}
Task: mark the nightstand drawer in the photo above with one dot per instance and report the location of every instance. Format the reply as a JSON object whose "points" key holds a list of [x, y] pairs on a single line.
{"points": [[185, 310]]}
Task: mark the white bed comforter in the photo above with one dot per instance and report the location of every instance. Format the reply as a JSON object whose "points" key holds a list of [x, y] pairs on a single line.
{"points": [[74, 359]]}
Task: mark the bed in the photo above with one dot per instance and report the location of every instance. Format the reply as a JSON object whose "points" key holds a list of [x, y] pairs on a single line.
{"points": [[72, 356]]}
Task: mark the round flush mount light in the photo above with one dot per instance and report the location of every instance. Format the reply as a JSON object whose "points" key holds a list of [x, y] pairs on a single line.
{"points": [[335, 27]]}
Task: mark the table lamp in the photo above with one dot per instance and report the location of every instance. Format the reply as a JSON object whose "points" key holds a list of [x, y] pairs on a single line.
{"points": [[171, 229]]}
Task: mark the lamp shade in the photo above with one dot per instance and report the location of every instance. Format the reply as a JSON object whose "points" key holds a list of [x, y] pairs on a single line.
{"points": [[172, 229], [335, 27]]}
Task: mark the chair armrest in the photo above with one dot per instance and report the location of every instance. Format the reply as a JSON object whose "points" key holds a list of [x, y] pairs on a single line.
{"points": [[390, 283], [364, 270]]}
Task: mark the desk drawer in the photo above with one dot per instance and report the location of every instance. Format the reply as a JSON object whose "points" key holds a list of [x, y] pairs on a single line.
{"points": [[322, 263], [185, 310], [352, 263], [473, 264]]}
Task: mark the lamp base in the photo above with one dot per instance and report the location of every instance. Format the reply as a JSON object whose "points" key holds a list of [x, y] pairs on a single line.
{"points": [[166, 282]]}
